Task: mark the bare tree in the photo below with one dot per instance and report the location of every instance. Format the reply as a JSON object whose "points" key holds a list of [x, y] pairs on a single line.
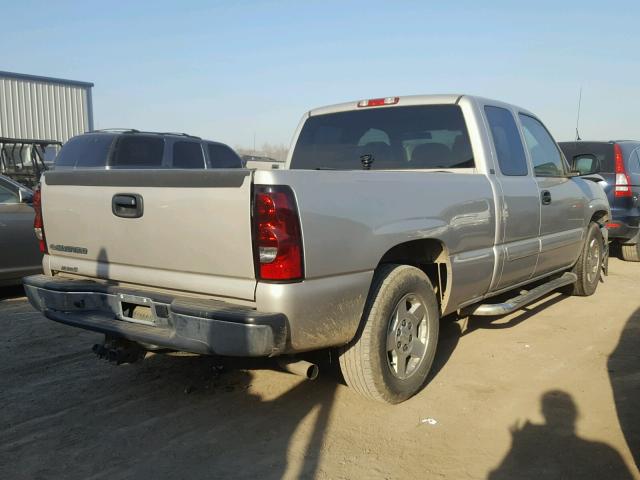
{"points": [[276, 151]]}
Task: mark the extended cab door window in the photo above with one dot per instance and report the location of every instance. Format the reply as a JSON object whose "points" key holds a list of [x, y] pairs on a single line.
{"points": [[545, 155], [506, 140]]}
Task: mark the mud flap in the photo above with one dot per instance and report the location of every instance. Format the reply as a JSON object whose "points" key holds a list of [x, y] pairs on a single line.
{"points": [[605, 252]]}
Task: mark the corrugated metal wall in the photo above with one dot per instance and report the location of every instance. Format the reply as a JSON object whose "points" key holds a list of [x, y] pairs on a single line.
{"points": [[32, 107]]}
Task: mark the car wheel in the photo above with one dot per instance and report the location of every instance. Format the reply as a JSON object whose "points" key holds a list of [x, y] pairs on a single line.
{"points": [[391, 355], [588, 268], [631, 253]]}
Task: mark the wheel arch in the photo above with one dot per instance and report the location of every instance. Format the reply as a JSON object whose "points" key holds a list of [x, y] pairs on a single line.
{"points": [[429, 255], [601, 217]]}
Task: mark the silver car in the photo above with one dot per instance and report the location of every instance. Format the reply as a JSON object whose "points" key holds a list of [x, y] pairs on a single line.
{"points": [[19, 251]]}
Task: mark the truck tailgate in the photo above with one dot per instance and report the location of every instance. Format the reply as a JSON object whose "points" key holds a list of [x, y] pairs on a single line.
{"points": [[194, 232]]}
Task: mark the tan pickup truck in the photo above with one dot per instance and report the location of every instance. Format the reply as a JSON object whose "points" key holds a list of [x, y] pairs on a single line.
{"points": [[390, 213]]}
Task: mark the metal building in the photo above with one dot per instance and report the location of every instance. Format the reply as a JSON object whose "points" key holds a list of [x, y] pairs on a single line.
{"points": [[43, 108]]}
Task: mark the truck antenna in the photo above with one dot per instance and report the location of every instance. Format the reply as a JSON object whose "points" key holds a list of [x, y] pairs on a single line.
{"points": [[578, 117]]}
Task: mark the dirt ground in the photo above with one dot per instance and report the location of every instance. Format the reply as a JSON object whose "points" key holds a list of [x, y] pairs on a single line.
{"points": [[550, 392]]}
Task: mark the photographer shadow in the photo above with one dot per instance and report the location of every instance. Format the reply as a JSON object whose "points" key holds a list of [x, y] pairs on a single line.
{"points": [[554, 450]]}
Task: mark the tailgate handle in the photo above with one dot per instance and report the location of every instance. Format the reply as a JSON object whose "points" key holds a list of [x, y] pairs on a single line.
{"points": [[127, 205]]}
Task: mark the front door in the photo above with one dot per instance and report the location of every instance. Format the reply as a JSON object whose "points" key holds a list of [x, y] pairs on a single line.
{"points": [[562, 203], [19, 251]]}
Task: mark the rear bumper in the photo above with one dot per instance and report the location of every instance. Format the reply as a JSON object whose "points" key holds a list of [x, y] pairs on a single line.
{"points": [[193, 325], [624, 228]]}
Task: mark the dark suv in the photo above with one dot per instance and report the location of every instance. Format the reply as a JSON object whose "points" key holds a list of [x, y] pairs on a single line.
{"points": [[135, 149], [619, 163]]}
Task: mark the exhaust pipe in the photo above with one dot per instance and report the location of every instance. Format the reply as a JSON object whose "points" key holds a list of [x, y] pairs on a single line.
{"points": [[299, 367]]}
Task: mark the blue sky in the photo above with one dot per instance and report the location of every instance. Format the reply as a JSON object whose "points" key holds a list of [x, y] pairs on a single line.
{"points": [[227, 70]]}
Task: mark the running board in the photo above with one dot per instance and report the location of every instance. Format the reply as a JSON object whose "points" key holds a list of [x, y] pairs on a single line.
{"points": [[525, 297]]}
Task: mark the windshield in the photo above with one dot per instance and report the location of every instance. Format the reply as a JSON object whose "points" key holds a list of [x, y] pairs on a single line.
{"points": [[603, 151], [415, 137]]}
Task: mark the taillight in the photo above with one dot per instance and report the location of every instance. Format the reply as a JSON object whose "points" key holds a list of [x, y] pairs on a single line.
{"points": [[38, 225], [277, 235], [377, 102], [623, 183]]}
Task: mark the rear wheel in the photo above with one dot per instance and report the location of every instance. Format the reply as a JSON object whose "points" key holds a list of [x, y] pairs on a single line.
{"points": [[588, 268], [391, 355], [631, 253]]}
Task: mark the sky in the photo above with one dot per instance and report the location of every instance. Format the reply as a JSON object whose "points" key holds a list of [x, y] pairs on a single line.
{"points": [[229, 71]]}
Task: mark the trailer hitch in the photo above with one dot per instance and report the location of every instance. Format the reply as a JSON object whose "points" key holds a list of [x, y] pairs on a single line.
{"points": [[119, 351]]}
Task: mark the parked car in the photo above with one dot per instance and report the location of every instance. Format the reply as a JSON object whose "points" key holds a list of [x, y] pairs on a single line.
{"points": [[390, 214], [115, 149], [618, 162], [19, 252]]}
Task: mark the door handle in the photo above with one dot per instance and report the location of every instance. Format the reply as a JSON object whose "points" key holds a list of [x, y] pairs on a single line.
{"points": [[127, 205], [545, 196]]}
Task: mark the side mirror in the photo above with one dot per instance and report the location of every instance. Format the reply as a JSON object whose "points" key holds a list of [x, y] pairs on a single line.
{"points": [[586, 164], [25, 196]]}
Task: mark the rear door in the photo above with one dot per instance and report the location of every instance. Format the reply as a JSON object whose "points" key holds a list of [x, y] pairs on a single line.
{"points": [[518, 244], [562, 202], [188, 230]]}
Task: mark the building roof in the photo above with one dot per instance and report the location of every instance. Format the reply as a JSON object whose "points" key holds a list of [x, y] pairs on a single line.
{"points": [[37, 78]]}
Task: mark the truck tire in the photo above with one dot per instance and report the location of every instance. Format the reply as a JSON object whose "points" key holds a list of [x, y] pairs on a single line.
{"points": [[631, 253], [588, 268], [391, 355]]}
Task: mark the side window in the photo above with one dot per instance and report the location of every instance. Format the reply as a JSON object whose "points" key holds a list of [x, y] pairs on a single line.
{"points": [[506, 140], [85, 151], [634, 161], [138, 152], [187, 155], [221, 156], [545, 156], [7, 195]]}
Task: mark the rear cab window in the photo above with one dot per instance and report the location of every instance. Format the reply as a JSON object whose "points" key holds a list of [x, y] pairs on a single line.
{"points": [[392, 138]]}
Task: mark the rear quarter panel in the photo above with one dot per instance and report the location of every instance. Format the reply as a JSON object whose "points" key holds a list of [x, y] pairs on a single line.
{"points": [[351, 218]]}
